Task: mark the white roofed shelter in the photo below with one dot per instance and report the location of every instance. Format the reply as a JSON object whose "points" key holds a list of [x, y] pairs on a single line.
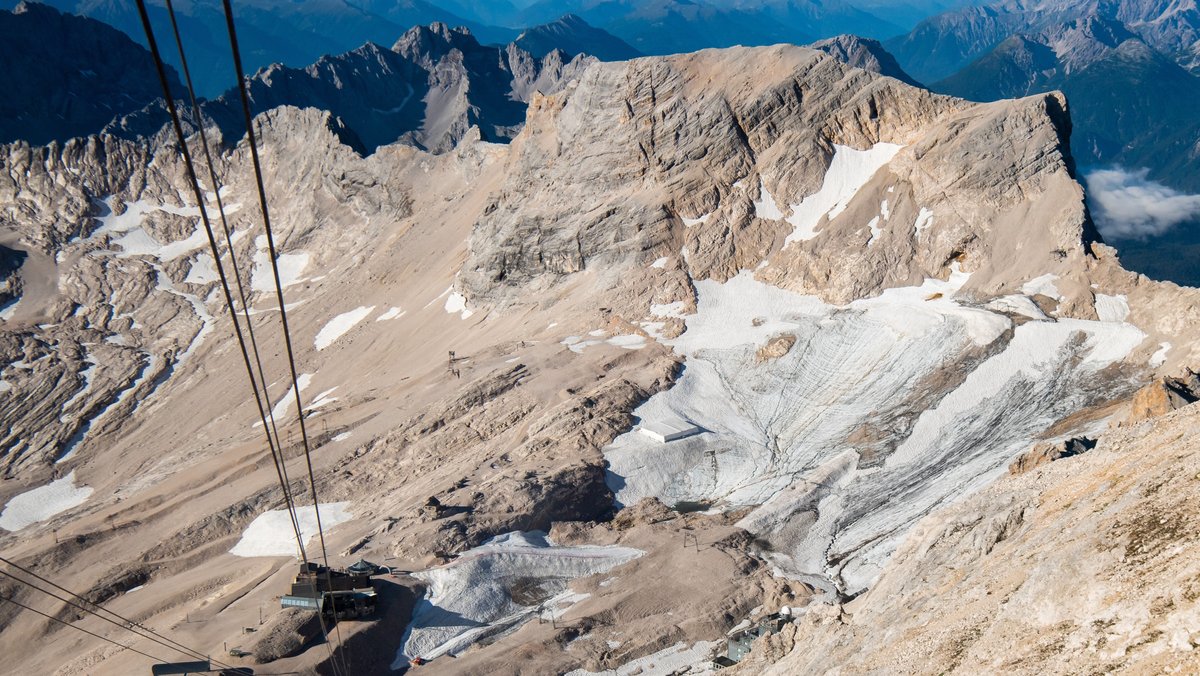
{"points": [[668, 430]]}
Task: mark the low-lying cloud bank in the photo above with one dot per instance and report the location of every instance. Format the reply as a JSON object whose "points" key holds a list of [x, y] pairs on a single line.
{"points": [[1127, 205]]}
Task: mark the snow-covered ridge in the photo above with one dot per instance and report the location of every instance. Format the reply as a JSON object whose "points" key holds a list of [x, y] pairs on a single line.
{"points": [[879, 412]]}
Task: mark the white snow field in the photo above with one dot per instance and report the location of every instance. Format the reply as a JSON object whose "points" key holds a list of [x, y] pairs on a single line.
{"points": [[291, 267], [287, 403], [881, 411], [43, 502], [496, 587], [271, 533], [456, 303], [338, 326], [849, 170]]}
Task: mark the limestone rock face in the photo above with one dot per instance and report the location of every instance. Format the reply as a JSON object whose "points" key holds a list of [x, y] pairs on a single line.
{"points": [[1163, 396], [634, 151]]}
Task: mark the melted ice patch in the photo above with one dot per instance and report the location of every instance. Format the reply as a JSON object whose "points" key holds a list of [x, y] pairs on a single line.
{"points": [[496, 587], [271, 533], [338, 326], [578, 344], [848, 172], [42, 503], [1021, 305]]}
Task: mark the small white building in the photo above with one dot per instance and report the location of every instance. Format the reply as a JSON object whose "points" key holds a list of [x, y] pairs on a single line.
{"points": [[668, 430]]}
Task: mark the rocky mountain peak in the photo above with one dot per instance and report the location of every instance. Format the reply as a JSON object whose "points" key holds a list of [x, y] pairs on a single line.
{"points": [[429, 44], [65, 75], [863, 53]]}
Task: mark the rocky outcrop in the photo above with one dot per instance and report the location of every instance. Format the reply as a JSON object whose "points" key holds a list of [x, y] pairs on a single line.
{"points": [[864, 53], [287, 633], [621, 176], [1046, 452], [1164, 395]]}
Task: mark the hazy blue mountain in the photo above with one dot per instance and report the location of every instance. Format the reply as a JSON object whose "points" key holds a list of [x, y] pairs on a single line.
{"points": [[941, 45], [66, 76], [673, 26], [294, 32], [573, 35]]}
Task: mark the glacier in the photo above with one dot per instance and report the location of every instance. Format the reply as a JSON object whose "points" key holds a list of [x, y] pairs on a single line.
{"points": [[881, 411]]}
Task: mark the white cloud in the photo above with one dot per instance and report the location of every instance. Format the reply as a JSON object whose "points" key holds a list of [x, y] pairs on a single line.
{"points": [[1127, 205]]}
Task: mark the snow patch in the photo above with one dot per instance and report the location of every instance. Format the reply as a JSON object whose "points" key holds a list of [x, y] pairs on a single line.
{"points": [[338, 326], [1112, 308], [924, 220], [456, 303], [659, 263], [393, 313], [271, 533], [774, 432], [288, 402], [42, 503], [1160, 356], [689, 222], [765, 206], [1043, 285], [472, 597], [291, 267], [203, 270], [873, 224], [848, 172]]}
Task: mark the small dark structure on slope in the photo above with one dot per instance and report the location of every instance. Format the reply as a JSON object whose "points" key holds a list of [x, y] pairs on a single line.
{"points": [[336, 593]]}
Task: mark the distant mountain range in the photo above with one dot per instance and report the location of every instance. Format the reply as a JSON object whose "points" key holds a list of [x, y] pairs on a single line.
{"points": [[573, 35], [298, 32], [271, 31], [1123, 65], [428, 89]]}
